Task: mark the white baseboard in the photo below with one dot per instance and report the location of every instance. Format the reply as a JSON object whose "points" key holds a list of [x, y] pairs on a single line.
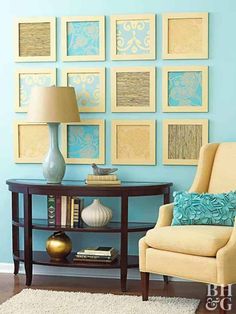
{"points": [[79, 272]]}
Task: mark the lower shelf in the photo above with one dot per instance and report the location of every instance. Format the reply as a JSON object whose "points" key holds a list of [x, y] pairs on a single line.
{"points": [[42, 258]]}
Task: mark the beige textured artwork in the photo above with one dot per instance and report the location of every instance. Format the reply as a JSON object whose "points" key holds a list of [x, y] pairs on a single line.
{"points": [[34, 39], [184, 141], [132, 89], [33, 142], [133, 142], [185, 36]]}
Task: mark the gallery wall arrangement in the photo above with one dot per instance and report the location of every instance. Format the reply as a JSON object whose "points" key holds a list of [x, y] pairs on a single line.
{"points": [[132, 88]]}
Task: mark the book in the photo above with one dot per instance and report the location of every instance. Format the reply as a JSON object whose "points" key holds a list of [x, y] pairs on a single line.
{"points": [[81, 207], [96, 257], [63, 210], [82, 253], [58, 210], [72, 212], [110, 177], [96, 182], [51, 204], [76, 201], [68, 211], [99, 250]]}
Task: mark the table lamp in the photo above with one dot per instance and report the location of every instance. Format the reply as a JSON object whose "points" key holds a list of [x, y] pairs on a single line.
{"points": [[53, 105]]}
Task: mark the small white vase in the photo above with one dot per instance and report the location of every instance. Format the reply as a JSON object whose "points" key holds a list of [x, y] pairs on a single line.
{"points": [[96, 214]]}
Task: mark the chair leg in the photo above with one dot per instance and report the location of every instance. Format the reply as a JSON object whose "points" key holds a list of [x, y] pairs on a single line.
{"points": [[166, 279], [145, 285]]}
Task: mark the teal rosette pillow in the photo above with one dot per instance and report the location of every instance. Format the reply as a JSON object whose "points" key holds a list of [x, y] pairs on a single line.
{"points": [[204, 209]]}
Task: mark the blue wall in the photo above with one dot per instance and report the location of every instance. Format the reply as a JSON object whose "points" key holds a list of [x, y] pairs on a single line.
{"points": [[222, 107]]}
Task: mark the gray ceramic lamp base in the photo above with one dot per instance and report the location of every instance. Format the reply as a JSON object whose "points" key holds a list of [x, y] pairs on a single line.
{"points": [[54, 165]]}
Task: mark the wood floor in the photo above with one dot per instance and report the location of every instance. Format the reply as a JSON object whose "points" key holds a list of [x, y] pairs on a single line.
{"points": [[11, 285]]}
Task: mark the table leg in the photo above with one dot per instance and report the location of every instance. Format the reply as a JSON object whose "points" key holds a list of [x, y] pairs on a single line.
{"points": [[166, 201], [28, 237], [124, 242], [15, 231]]}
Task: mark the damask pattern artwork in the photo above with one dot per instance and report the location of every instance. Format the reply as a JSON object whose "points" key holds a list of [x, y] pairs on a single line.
{"points": [[185, 36], [89, 86], [133, 89], [35, 39], [133, 37], [31, 142], [83, 142], [133, 142], [185, 89], [26, 80], [83, 38], [183, 140]]}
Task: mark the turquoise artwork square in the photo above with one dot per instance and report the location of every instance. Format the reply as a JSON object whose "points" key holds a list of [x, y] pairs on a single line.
{"points": [[83, 141], [185, 88], [133, 37], [87, 88], [83, 38]]}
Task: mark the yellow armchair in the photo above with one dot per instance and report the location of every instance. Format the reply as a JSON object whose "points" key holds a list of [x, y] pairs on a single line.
{"points": [[199, 253]]}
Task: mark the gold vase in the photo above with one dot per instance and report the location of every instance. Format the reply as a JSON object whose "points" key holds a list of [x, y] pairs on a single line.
{"points": [[58, 246]]}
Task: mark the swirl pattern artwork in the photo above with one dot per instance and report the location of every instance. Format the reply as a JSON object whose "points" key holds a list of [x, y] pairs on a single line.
{"points": [[185, 88], [83, 141], [133, 37], [83, 38], [87, 88]]}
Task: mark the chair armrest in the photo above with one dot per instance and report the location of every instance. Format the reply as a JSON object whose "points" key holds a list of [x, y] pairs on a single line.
{"points": [[165, 215]]}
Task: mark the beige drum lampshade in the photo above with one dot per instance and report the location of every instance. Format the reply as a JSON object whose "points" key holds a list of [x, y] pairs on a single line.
{"points": [[53, 105]]}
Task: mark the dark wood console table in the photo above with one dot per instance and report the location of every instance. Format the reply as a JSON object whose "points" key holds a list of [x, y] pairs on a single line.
{"points": [[77, 188]]}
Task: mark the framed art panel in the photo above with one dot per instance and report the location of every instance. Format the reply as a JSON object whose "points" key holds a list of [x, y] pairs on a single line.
{"points": [[185, 36], [185, 89], [31, 142], [84, 142], [133, 37], [133, 142], [182, 140], [83, 38], [35, 39], [133, 89], [89, 86], [26, 79]]}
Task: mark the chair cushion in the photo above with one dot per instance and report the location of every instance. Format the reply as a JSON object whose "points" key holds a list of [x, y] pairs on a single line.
{"points": [[193, 240]]}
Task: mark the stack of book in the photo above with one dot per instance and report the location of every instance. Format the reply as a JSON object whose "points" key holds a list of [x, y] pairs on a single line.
{"points": [[98, 254], [64, 210], [110, 179]]}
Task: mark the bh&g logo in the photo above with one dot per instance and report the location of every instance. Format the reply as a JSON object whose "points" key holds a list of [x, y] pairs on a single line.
{"points": [[219, 296]]}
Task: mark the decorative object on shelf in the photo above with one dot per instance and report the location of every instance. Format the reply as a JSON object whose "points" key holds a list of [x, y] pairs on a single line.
{"points": [[83, 38], [31, 142], [53, 105], [99, 255], [35, 39], [185, 36], [89, 85], [26, 79], [99, 171], [133, 37], [96, 214], [110, 179], [185, 89], [133, 89], [127, 148], [58, 246], [83, 142], [182, 140]]}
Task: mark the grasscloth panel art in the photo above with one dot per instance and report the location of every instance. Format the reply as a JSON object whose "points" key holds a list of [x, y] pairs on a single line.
{"points": [[89, 86], [185, 36], [185, 89], [83, 142], [182, 140], [133, 142], [35, 39], [133, 89], [31, 142], [133, 37]]}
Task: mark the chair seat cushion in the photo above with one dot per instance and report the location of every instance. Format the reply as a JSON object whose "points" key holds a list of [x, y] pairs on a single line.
{"points": [[193, 240]]}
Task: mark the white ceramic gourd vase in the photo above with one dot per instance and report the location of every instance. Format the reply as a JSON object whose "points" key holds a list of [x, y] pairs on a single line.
{"points": [[96, 214]]}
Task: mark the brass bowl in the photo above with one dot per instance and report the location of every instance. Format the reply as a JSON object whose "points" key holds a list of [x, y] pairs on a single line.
{"points": [[58, 246]]}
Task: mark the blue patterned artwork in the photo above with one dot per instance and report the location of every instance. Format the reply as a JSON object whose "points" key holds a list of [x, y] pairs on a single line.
{"points": [[83, 141], [133, 37], [83, 38], [87, 88], [28, 81], [185, 88]]}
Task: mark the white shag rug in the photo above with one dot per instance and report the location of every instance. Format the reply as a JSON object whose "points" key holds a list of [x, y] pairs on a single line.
{"points": [[30, 301]]}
